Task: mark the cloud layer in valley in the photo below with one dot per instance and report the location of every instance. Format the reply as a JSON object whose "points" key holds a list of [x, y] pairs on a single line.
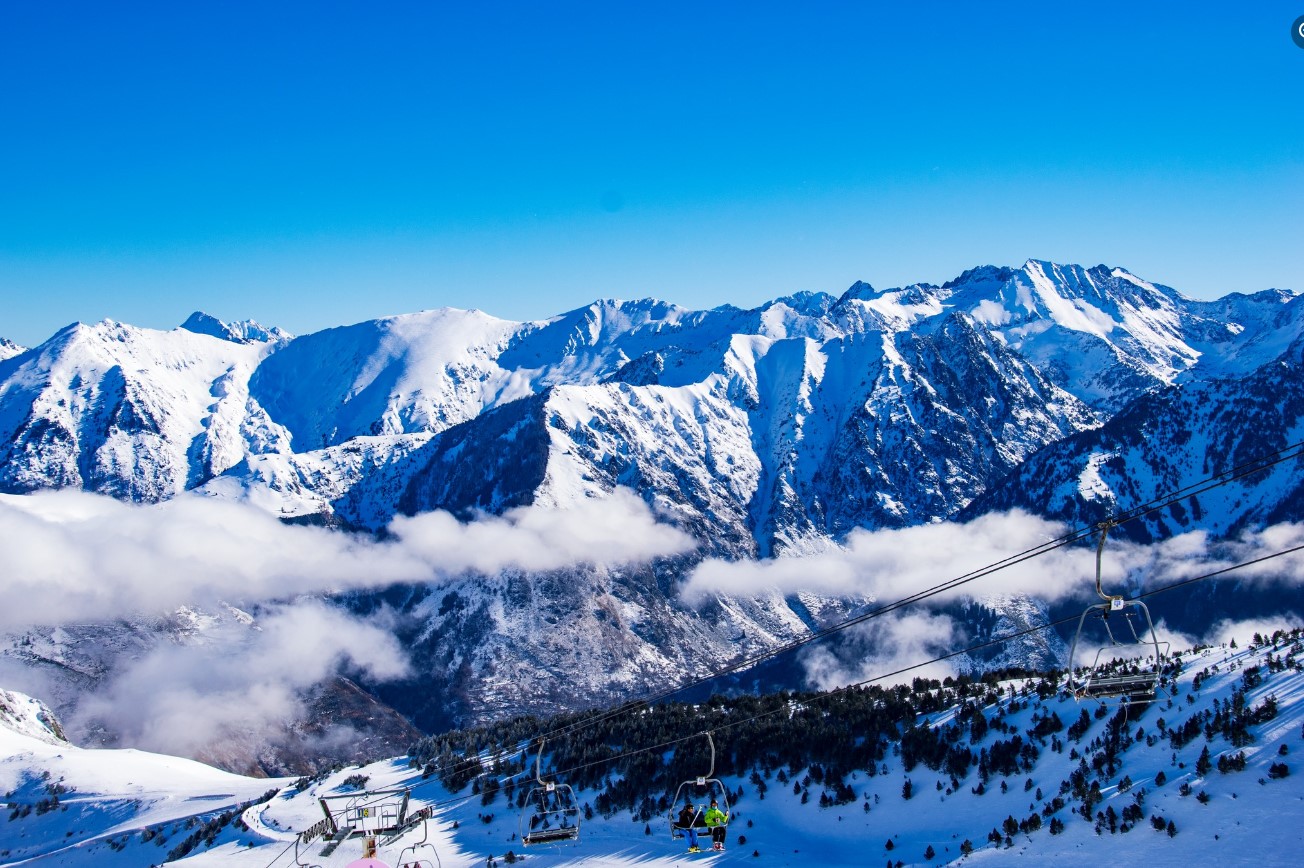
{"points": [[75, 558], [72, 556], [887, 565], [181, 700], [890, 565]]}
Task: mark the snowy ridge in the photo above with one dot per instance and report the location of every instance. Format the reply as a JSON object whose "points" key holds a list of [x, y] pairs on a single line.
{"points": [[244, 332], [961, 382], [9, 349]]}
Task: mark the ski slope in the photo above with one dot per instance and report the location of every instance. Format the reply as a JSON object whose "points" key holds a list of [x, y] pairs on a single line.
{"points": [[122, 798]]}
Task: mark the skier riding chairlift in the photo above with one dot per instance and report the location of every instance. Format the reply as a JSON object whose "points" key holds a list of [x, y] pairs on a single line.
{"points": [[698, 792]]}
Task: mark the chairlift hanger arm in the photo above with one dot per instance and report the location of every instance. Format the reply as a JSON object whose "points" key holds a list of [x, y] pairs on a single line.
{"points": [[711, 741], [1115, 602]]}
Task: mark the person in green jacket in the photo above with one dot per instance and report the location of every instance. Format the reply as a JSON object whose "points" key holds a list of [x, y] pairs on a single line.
{"points": [[718, 822]]}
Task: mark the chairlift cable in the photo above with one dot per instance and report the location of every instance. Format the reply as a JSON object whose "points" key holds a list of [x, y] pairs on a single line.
{"points": [[979, 646], [1240, 471]]}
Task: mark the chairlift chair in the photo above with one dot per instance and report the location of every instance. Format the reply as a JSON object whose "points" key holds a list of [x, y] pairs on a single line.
{"points": [[699, 791], [552, 813], [1109, 677]]}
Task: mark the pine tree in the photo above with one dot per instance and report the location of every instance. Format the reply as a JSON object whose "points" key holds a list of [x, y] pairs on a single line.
{"points": [[1204, 763]]}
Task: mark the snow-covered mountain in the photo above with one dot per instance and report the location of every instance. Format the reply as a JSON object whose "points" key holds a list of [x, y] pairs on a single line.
{"points": [[137, 414], [1168, 441], [9, 349], [786, 425], [243, 332], [771, 431]]}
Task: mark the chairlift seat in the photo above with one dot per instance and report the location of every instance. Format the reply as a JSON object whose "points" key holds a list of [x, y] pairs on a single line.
{"points": [[1104, 678], [551, 836], [1133, 686]]}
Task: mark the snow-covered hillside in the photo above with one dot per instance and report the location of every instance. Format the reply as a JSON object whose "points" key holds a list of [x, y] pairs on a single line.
{"points": [[1207, 773], [67, 805], [138, 414]]}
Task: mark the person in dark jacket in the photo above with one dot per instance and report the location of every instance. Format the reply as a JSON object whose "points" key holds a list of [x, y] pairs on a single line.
{"points": [[688, 822]]}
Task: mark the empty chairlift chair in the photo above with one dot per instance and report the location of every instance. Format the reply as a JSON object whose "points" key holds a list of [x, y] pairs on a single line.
{"points": [[699, 792], [551, 814], [1128, 661]]}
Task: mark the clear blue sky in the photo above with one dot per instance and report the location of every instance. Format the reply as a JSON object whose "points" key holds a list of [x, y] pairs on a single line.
{"points": [[321, 163]]}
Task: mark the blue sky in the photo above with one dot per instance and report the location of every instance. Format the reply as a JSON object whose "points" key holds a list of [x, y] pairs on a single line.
{"points": [[314, 164]]}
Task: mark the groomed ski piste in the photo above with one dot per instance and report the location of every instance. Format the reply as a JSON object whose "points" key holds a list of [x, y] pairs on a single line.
{"points": [[129, 808]]}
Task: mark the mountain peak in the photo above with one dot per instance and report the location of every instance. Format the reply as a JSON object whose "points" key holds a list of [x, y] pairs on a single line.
{"points": [[9, 349], [243, 332], [860, 289], [995, 273]]}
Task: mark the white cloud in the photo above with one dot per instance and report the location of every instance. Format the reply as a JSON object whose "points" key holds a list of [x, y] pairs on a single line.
{"points": [[71, 556], [618, 529], [881, 646], [892, 564], [182, 700], [1243, 631], [888, 564]]}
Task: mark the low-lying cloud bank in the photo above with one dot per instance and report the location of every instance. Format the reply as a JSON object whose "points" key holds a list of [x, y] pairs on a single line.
{"points": [[888, 565], [72, 557], [68, 556], [181, 700]]}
